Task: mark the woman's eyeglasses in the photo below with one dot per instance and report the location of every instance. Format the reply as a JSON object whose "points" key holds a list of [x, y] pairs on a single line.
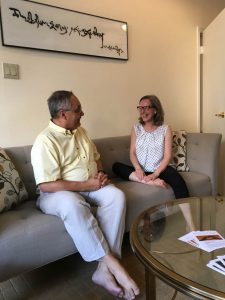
{"points": [[144, 108]]}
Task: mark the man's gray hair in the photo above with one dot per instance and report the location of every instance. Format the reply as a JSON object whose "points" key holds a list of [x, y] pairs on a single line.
{"points": [[59, 100]]}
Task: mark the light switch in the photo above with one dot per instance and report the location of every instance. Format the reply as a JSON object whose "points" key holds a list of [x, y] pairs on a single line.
{"points": [[10, 71], [6, 70], [13, 70]]}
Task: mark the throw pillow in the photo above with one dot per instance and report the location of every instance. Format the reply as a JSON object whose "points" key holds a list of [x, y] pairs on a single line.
{"points": [[12, 189], [179, 159]]}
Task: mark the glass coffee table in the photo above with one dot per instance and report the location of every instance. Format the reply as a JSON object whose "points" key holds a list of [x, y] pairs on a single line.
{"points": [[154, 240]]}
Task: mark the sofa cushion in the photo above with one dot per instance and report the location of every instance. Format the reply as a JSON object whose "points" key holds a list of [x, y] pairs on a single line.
{"points": [[141, 196], [198, 184], [179, 159], [30, 239], [12, 189]]}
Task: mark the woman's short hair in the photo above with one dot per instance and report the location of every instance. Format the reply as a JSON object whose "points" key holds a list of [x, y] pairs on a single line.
{"points": [[158, 118], [59, 100]]}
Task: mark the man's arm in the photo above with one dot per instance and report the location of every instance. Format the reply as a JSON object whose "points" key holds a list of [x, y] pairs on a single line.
{"points": [[92, 184], [99, 166]]}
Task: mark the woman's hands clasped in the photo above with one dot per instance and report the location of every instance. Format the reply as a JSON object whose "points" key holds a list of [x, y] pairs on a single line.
{"points": [[139, 174]]}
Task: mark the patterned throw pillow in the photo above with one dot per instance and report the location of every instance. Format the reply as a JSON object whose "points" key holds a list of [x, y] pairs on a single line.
{"points": [[179, 160], [12, 189]]}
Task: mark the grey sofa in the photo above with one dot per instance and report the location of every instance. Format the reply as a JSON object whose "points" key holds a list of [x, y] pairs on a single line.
{"points": [[30, 239]]}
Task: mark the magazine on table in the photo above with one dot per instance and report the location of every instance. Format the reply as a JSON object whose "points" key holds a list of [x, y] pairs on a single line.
{"points": [[218, 264], [206, 240]]}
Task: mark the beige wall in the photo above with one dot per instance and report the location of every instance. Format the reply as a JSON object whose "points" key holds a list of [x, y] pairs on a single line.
{"points": [[162, 60]]}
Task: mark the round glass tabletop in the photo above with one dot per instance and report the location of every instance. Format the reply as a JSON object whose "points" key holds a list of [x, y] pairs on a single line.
{"points": [[155, 240]]}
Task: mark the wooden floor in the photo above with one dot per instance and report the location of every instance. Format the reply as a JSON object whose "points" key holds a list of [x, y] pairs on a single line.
{"points": [[70, 279]]}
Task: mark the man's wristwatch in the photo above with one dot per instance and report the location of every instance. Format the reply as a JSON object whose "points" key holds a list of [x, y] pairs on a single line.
{"points": [[101, 171]]}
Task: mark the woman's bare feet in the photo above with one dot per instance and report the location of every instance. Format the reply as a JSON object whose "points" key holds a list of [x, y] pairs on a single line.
{"points": [[112, 276], [133, 177], [157, 181]]}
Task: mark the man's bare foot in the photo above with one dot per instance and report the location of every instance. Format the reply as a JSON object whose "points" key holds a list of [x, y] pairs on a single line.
{"points": [[130, 288], [104, 278]]}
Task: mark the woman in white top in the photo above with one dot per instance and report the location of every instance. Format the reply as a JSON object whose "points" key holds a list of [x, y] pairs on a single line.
{"points": [[151, 150]]}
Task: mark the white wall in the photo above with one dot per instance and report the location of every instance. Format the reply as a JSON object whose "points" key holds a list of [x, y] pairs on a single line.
{"points": [[162, 61]]}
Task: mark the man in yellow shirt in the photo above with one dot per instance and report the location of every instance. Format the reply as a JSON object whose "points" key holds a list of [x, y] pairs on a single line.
{"points": [[69, 175]]}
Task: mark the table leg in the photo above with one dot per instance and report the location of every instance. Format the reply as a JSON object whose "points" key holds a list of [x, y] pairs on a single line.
{"points": [[150, 285]]}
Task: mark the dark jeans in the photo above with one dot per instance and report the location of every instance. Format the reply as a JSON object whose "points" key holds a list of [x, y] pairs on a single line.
{"points": [[169, 175]]}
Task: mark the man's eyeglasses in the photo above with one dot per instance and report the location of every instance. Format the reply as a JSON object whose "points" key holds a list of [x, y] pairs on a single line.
{"points": [[77, 110], [144, 108]]}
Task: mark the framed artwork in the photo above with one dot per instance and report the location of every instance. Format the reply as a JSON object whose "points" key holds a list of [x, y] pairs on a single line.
{"points": [[29, 24]]}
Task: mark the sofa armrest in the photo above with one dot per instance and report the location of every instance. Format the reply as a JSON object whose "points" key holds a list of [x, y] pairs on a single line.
{"points": [[203, 155]]}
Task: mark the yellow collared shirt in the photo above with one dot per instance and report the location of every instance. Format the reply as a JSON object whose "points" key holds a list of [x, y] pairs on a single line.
{"points": [[58, 153]]}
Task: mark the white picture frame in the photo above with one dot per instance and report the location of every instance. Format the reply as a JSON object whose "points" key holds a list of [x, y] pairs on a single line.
{"points": [[33, 25]]}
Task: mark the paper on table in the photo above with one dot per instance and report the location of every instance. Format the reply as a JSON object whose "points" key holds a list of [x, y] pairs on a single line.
{"points": [[213, 265], [189, 238], [206, 240], [218, 264], [221, 258]]}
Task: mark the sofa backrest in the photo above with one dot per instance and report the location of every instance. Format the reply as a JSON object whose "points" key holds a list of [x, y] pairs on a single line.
{"points": [[202, 156], [113, 149], [203, 150]]}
